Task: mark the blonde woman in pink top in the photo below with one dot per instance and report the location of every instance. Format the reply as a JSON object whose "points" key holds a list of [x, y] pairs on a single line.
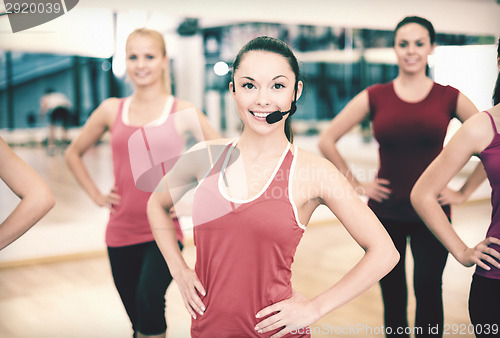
{"points": [[139, 271]]}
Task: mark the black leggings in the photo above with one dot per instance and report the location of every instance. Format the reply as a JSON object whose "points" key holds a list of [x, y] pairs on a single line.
{"points": [[484, 306], [429, 257], [141, 277]]}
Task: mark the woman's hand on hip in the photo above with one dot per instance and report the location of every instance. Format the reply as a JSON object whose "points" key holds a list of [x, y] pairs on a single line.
{"points": [[291, 314], [190, 287], [376, 189]]}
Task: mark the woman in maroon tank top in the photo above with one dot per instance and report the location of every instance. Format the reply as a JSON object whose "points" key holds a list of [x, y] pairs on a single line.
{"points": [[253, 199], [478, 136], [409, 116]]}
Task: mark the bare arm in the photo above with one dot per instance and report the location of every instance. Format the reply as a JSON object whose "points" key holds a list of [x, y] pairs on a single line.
{"points": [[98, 123], [471, 138], [353, 113], [36, 197], [183, 177], [379, 258], [465, 109]]}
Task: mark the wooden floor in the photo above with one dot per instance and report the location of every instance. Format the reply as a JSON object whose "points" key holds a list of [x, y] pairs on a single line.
{"points": [[77, 298]]}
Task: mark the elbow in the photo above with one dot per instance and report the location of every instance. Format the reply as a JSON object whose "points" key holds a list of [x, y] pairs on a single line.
{"points": [[417, 196], [323, 143], [50, 201], [68, 154], [47, 201], [393, 258], [150, 207]]}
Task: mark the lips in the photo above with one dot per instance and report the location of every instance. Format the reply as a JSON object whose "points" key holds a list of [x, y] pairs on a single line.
{"points": [[259, 114], [141, 74]]}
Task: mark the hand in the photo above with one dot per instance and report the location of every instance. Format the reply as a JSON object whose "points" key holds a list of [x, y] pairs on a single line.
{"points": [[109, 200], [290, 314], [448, 197], [481, 253], [376, 190], [190, 288]]}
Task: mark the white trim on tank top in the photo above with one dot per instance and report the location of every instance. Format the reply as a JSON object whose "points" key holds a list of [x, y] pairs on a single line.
{"points": [[290, 179], [169, 102], [268, 183]]}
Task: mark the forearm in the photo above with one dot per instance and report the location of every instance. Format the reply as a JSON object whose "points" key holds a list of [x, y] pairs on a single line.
{"points": [[79, 170], [165, 236], [430, 211], [374, 265], [474, 181], [329, 150], [29, 211]]}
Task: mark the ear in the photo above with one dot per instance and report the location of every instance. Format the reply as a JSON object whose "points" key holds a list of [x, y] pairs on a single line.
{"points": [[433, 47], [300, 86], [166, 61], [231, 87]]}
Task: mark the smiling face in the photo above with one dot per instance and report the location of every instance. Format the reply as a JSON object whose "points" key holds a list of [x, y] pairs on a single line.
{"points": [[146, 61], [264, 82], [412, 45]]}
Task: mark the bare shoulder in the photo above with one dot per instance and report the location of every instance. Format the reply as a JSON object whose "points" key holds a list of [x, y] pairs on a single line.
{"points": [[182, 104], [313, 167], [107, 110], [478, 127]]}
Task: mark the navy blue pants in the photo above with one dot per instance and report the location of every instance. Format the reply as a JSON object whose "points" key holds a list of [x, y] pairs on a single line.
{"points": [[141, 277], [484, 306], [429, 257]]}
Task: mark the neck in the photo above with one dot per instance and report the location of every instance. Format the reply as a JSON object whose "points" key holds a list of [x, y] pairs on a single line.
{"points": [[150, 93], [409, 79], [258, 145]]}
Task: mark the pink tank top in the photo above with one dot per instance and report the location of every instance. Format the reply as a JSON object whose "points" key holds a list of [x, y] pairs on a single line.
{"points": [[244, 250], [129, 224]]}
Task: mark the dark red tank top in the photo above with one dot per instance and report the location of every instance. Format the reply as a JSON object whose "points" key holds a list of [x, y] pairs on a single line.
{"points": [[410, 136]]}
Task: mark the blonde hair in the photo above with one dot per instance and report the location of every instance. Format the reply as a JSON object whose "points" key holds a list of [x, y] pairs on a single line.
{"points": [[158, 38]]}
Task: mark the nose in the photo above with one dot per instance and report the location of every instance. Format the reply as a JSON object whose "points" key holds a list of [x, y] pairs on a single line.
{"points": [[411, 48], [263, 97], [140, 62]]}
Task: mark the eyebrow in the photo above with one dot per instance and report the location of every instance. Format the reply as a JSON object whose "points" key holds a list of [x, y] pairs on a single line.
{"points": [[417, 39], [274, 78]]}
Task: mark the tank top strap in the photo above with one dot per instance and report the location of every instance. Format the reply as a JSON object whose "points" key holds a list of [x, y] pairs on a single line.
{"points": [[492, 122], [119, 115], [222, 158]]}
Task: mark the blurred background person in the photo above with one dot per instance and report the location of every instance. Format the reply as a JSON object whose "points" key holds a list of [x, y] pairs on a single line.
{"points": [[478, 136], [410, 117], [57, 107], [139, 271]]}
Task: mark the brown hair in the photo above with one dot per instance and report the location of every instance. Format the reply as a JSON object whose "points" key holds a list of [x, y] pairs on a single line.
{"points": [[273, 45], [158, 38]]}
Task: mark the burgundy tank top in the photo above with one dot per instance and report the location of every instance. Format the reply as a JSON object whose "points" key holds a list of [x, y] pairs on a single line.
{"points": [[410, 136]]}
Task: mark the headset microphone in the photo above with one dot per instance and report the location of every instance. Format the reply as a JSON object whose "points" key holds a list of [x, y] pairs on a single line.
{"points": [[277, 115]]}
